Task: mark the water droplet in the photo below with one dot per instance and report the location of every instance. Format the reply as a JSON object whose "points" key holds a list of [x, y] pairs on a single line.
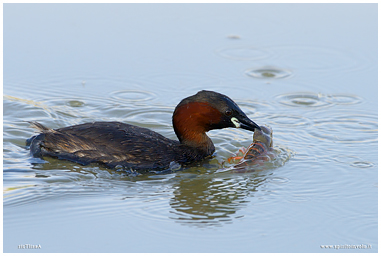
{"points": [[234, 37], [309, 99], [75, 103], [268, 73], [302, 100]]}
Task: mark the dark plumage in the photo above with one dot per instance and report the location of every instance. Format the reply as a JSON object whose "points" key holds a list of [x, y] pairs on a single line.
{"points": [[129, 146]]}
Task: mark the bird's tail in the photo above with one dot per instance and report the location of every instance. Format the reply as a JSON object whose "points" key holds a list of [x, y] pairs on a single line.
{"points": [[39, 127]]}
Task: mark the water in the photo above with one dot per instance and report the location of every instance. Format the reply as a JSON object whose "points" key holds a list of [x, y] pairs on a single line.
{"points": [[312, 79]]}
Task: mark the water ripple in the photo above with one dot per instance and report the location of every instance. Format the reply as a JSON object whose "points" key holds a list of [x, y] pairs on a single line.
{"points": [[327, 61], [275, 158], [245, 53], [302, 100], [354, 161], [321, 59], [289, 121], [355, 128], [269, 73], [215, 202], [132, 95], [343, 99], [362, 164], [316, 100]]}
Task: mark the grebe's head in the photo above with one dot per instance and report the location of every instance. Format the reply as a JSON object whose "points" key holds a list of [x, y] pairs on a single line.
{"points": [[208, 110]]}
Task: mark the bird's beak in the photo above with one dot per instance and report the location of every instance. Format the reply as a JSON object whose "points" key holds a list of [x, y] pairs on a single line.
{"points": [[242, 121]]}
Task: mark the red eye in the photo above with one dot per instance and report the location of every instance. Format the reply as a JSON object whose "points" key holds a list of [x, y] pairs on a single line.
{"points": [[228, 112]]}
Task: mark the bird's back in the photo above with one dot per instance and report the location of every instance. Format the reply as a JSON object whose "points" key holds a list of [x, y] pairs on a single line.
{"points": [[109, 143]]}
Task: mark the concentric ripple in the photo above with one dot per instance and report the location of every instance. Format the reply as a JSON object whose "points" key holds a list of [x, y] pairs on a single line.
{"points": [[316, 100], [358, 128], [343, 99], [326, 60], [302, 100], [132, 95], [268, 73], [289, 120], [353, 161]]}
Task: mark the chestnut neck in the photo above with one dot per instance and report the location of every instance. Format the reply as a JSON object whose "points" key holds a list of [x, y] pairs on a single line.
{"points": [[191, 121]]}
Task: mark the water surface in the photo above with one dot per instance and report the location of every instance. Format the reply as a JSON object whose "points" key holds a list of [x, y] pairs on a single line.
{"points": [[313, 80]]}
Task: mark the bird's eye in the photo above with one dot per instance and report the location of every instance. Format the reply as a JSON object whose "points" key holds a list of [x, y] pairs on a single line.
{"points": [[228, 112]]}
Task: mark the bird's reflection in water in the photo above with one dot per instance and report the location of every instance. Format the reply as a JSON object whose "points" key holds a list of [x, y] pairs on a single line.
{"points": [[199, 198], [211, 200], [215, 197]]}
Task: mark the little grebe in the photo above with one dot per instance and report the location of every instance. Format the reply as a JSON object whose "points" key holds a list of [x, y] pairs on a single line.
{"points": [[118, 144]]}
